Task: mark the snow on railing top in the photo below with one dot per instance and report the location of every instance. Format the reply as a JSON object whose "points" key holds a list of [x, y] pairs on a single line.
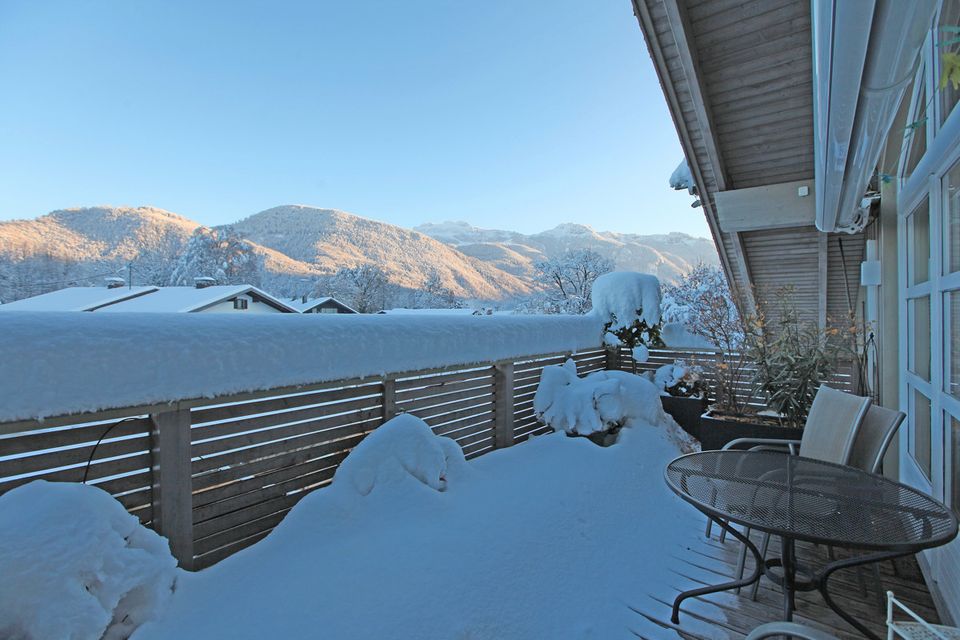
{"points": [[64, 363]]}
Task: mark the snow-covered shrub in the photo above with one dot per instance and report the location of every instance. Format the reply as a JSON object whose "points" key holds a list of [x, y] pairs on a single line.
{"points": [[601, 401], [680, 380], [402, 452], [75, 565], [629, 305]]}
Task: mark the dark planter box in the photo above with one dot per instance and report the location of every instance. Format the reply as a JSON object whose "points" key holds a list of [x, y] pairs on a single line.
{"points": [[686, 411], [716, 432]]}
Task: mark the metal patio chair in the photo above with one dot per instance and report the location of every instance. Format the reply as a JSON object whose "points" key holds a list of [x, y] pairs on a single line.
{"points": [[871, 441], [829, 435]]}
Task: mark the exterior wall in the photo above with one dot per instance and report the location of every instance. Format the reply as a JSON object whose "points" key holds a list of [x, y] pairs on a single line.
{"points": [[928, 216], [329, 307]]}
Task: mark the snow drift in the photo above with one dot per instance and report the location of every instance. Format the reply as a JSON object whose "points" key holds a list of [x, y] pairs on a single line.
{"points": [[401, 451], [76, 566]]}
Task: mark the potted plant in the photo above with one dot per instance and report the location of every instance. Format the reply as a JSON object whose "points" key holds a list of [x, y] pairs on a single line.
{"points": [[683, 394]]}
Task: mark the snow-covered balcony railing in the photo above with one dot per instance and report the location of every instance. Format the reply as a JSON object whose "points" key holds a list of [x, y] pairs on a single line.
{"points": [[210, 428]]}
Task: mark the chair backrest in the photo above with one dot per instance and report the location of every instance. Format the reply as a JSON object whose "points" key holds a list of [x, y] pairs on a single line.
{"points": [[874, 437], [832, 425]]}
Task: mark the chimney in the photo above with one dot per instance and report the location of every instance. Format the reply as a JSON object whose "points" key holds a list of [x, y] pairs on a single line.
{"points": [[304, 299], [115, 283], [203, 282]]}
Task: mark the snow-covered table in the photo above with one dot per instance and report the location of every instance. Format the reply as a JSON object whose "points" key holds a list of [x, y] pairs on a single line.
{"points": [[799, 498]]}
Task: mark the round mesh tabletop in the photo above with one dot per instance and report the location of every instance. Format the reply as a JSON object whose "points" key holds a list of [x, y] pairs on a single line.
{"points": [[806, 499]]}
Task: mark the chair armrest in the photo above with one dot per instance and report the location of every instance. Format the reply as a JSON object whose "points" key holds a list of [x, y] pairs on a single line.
{"points": [[764, 444], [788, 629]]}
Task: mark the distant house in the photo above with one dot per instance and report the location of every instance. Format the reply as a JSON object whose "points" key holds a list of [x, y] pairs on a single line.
{"points": [[202, 298], [320, 305], [78, 299]]}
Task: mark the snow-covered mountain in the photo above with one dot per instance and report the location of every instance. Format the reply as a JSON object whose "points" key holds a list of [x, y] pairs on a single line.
{"points": [[297, 244], [330, 239], [666, 255]]}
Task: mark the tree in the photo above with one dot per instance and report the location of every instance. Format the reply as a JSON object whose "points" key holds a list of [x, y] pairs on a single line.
{"points": [[701, 301], [434, 295], [566, 282], [156, 265], [364, 288], [221, 254]]}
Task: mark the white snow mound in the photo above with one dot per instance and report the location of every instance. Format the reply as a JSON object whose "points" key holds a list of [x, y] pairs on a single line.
{"points": [[626, 296], [600, 401], [402, 451], [76, 566]]}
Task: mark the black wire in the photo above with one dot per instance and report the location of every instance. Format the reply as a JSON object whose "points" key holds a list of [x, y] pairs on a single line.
{"points": [[86, 468]]}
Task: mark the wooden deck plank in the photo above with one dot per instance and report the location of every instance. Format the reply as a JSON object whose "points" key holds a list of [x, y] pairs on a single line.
{"points": [[732, 616]]}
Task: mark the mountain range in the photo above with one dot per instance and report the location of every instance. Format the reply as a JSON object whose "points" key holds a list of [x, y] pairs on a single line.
{"points": [[299, 244]]}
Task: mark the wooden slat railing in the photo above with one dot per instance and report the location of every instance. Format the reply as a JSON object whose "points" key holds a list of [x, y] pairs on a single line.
{"points": [[216, 475]]}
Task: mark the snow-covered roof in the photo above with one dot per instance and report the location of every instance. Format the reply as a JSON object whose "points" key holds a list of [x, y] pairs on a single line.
{"points": [[304, 307], [186, 299], [76, 299], [431, 312], [112, 360]]}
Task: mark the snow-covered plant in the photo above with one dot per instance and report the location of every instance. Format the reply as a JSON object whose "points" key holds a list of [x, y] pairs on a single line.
{"points": [[702, 302], [680, 380], [219, 253], [566, 282], [793, 358], [628, 303]]}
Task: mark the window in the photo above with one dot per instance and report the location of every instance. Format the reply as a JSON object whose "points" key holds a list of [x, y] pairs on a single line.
{"points": [[915, 135], [328, 310], [918, 244], [951, 219], [954, 480], [918, 310], [240, 303], [920, 438], [951, 346], [949, 19]]}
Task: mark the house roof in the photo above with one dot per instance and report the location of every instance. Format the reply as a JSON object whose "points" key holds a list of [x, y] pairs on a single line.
{"points": [[738, 80], [77, 299], [311, 303], [186, 299]]}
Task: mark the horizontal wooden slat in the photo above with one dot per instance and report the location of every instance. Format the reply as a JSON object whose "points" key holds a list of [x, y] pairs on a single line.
{"points": [[239, 410]]}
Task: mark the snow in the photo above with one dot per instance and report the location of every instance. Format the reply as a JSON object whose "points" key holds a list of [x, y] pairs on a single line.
{"points": [[669, 375], [681, 178], [76, 299], [676, 335], [59, 363], [304, 307], [403, 450], [431, 312], [187, 299], [627, 296], [641, 353], [76, 565], [553, 538], [601, 401]]}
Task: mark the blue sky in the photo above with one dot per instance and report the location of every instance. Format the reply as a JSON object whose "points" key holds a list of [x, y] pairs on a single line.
{"points": [[507, 114]]}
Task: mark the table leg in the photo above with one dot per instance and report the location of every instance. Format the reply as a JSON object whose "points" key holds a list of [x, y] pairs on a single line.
{"points": [[742, 582], [855, 561], [789, 576]]}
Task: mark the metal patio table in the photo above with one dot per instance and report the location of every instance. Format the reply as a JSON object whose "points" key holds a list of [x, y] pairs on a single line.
{"points": [[799, 498]]}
